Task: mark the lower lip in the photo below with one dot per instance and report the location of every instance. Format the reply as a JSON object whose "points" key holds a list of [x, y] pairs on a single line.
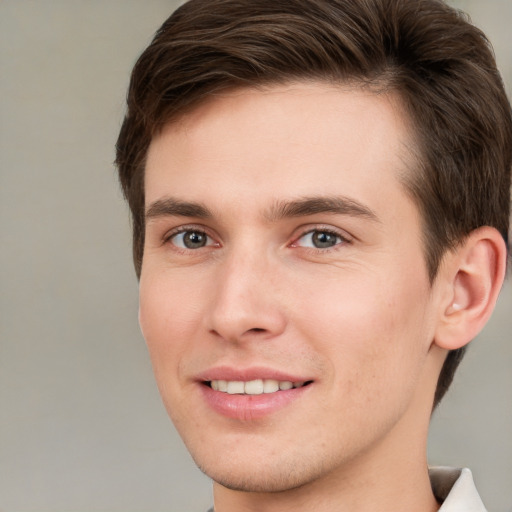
{"points": [[250, 407]]}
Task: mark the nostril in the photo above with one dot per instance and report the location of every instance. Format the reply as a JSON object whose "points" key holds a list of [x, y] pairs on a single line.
{"points": [[256, 329]]}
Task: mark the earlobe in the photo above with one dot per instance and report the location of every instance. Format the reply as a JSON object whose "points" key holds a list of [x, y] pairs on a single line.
{"points": [[473, 278]]}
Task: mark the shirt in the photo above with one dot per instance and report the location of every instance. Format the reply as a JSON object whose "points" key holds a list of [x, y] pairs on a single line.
{"points": [[454, 488]]}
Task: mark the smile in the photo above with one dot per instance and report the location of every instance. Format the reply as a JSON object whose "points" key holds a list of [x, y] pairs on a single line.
{"points": [[254, 387]]}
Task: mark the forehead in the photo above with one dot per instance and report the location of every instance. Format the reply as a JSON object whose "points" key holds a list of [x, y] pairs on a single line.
{"points": [[301, 139]]}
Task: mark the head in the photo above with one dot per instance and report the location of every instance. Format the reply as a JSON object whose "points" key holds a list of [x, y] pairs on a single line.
{"points": [[421, 58], [440, 67]]}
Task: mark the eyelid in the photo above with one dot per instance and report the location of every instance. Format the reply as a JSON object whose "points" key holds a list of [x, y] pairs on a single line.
{"points": [[345, 237], [169, 235]]}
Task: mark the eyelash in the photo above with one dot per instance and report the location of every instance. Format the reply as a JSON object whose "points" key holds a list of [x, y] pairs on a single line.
{"points": [[168, 238], [344, 240]]}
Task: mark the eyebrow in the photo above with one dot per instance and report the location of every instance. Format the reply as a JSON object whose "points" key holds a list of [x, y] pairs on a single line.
{"points": [[301, 207], [175, 208]]}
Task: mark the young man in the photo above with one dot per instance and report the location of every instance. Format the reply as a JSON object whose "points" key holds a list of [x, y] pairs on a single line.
{"points": [[320, 202]]}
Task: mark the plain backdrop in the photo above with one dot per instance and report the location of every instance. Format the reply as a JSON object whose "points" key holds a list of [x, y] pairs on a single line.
{"points": [[81, 424]]}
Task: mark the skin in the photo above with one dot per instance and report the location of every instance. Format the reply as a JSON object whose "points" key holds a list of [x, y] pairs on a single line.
{"points": [[359, 318]]}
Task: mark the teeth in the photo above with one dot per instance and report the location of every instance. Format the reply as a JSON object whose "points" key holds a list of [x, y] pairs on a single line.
{"points": [[235, 387], [270, 386], [253, 387]]}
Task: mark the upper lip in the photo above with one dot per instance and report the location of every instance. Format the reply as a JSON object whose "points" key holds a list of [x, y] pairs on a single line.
{"points": [[247, 374]]}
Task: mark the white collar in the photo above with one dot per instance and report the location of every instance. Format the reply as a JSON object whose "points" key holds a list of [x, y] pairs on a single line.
{"points": [[455, 489]]}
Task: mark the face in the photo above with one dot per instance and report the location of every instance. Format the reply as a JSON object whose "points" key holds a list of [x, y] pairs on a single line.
{"points": [[284, 296]]}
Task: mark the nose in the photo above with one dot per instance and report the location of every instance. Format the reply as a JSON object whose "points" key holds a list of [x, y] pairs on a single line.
{"points": [[247, 301]]}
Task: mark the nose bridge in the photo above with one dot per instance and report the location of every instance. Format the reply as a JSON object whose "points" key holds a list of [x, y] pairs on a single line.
{"points": [[245, 303]]}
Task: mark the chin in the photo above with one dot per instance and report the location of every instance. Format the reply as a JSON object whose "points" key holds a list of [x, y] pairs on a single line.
{"points": [[260, 482], [272, 475]]}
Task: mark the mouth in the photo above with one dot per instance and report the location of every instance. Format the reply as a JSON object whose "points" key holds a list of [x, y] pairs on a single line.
{"points": [[255, 393], [254, 387]]}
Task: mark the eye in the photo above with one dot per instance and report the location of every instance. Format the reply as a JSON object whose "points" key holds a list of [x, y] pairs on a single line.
{"points": [[190, 239], [319, 239]]}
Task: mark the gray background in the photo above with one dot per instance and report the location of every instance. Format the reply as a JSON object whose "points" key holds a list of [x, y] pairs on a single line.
{"points": [[81, 423]]}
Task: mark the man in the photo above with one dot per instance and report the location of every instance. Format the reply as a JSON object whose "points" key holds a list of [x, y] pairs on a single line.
{"points": [[320, 199]]}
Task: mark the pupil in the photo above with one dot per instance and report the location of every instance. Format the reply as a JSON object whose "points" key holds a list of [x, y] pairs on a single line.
{"points": [[194, 240], [322, 239]]}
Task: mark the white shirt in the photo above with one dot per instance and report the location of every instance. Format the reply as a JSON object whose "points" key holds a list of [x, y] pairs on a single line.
{"points": [[455, 489]]}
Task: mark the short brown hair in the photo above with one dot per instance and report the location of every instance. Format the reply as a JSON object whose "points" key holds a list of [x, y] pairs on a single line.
{"points": [[441, 66]]}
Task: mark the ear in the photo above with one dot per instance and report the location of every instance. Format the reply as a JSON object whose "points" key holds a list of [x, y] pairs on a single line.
{"points": [[471, 279]]}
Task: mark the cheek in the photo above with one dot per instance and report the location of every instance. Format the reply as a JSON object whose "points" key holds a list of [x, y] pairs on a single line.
{"points": [[169, 317], [169, 313], [372, 333]]}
